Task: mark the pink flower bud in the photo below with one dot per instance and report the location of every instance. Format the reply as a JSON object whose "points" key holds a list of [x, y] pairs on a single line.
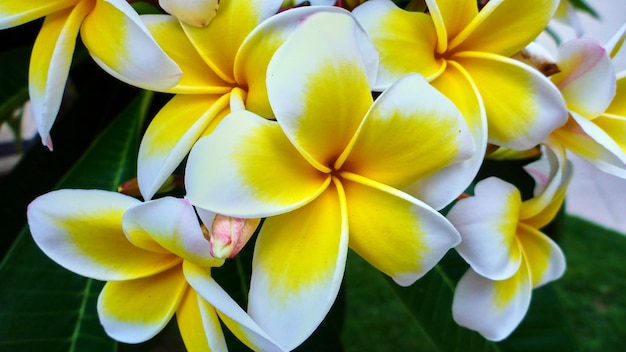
{"points": [[229, 234]]}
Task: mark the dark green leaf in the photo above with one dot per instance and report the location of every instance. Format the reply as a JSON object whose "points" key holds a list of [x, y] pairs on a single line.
{"points": [[45, 307], [583, 6], [14, 78]]}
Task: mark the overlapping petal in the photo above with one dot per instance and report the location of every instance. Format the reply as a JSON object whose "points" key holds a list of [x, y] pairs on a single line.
{"points": [[198, 77], [199, 325], [523, 109], [493, 308], [399, 235], [136, 310], [50, 64], [121, 44], [442, 187], [248, 168], [173, 224], [450, 18], [618, 105], [219, 42], [307, 100], [487, 223], [586, 78], [237, 321], [258, 48], [423, 130], [504, 27], [393, 30], [298, 264], [172, 133], [16, 12], [545, 259], [194, 12], [85, 235]]}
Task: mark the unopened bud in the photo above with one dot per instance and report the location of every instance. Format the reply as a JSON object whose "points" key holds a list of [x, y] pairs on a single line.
{"points": [[228, 235]]}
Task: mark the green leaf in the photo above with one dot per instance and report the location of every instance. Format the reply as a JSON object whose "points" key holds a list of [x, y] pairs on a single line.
{"points": [[583, 6], [45, 307], [14, 78]]}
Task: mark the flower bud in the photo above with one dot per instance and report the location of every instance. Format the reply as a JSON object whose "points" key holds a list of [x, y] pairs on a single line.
{"points": [[229, 234]]}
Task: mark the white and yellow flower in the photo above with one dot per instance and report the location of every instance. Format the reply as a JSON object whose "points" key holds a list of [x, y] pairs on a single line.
{"points": [[327, 174], [112, 32], [155, 260], [507, 252]]}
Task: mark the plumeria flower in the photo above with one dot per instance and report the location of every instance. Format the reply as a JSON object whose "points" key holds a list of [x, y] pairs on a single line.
{"points": [[327, 174], [595, 97], [465, 53], [223, 66], [110, 29], [155, 260], [507, 252]]}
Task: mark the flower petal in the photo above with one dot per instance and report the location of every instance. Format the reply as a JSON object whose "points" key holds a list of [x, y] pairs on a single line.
{"points": [[50, 64], [173, 224], [219, 42], [493, 308], [545, 259], [523, 107], [328, 87], [199, 325], [136, 310], [82, 231], [194, 12], [450, 18], [258, 48], [587, 77], [16, 12], [248, 168], [487, 223], [172, 133], [505, 27], [399, 235], [198, 77], [298, 264], [618, 105], [393, 31], [112, 32], [411, 131], [614, 45], [235, 318], [442, 187]]}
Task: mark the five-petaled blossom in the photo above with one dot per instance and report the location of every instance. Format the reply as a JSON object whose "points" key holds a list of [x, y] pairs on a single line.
{"points": [[332, 164], [112, 32], [465, 53], [507, 253], [155, 260]]}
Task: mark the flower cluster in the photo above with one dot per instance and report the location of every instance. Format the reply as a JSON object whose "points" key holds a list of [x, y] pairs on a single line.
{"points": [[355, 125]]}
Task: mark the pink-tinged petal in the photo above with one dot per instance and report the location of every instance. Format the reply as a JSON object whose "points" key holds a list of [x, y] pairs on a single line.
{"points": [[523, 107], [198, 77], [120, 43], [487, 223], [616, 42], [442, 187], [82, 231], [173, 224], [618, 105], [248, 168], [136, 310], [259, 47], [298, 265], [450, 18], [235, 318], [545, 259], [16, 12], [199, 325], [592, 143], [587, 77], [411, 131], [493, 308], [505, 27], [194, 12], [406, 41], [219, 41], [172, 133], [399, 235], [328, 87], [50, 64]]}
